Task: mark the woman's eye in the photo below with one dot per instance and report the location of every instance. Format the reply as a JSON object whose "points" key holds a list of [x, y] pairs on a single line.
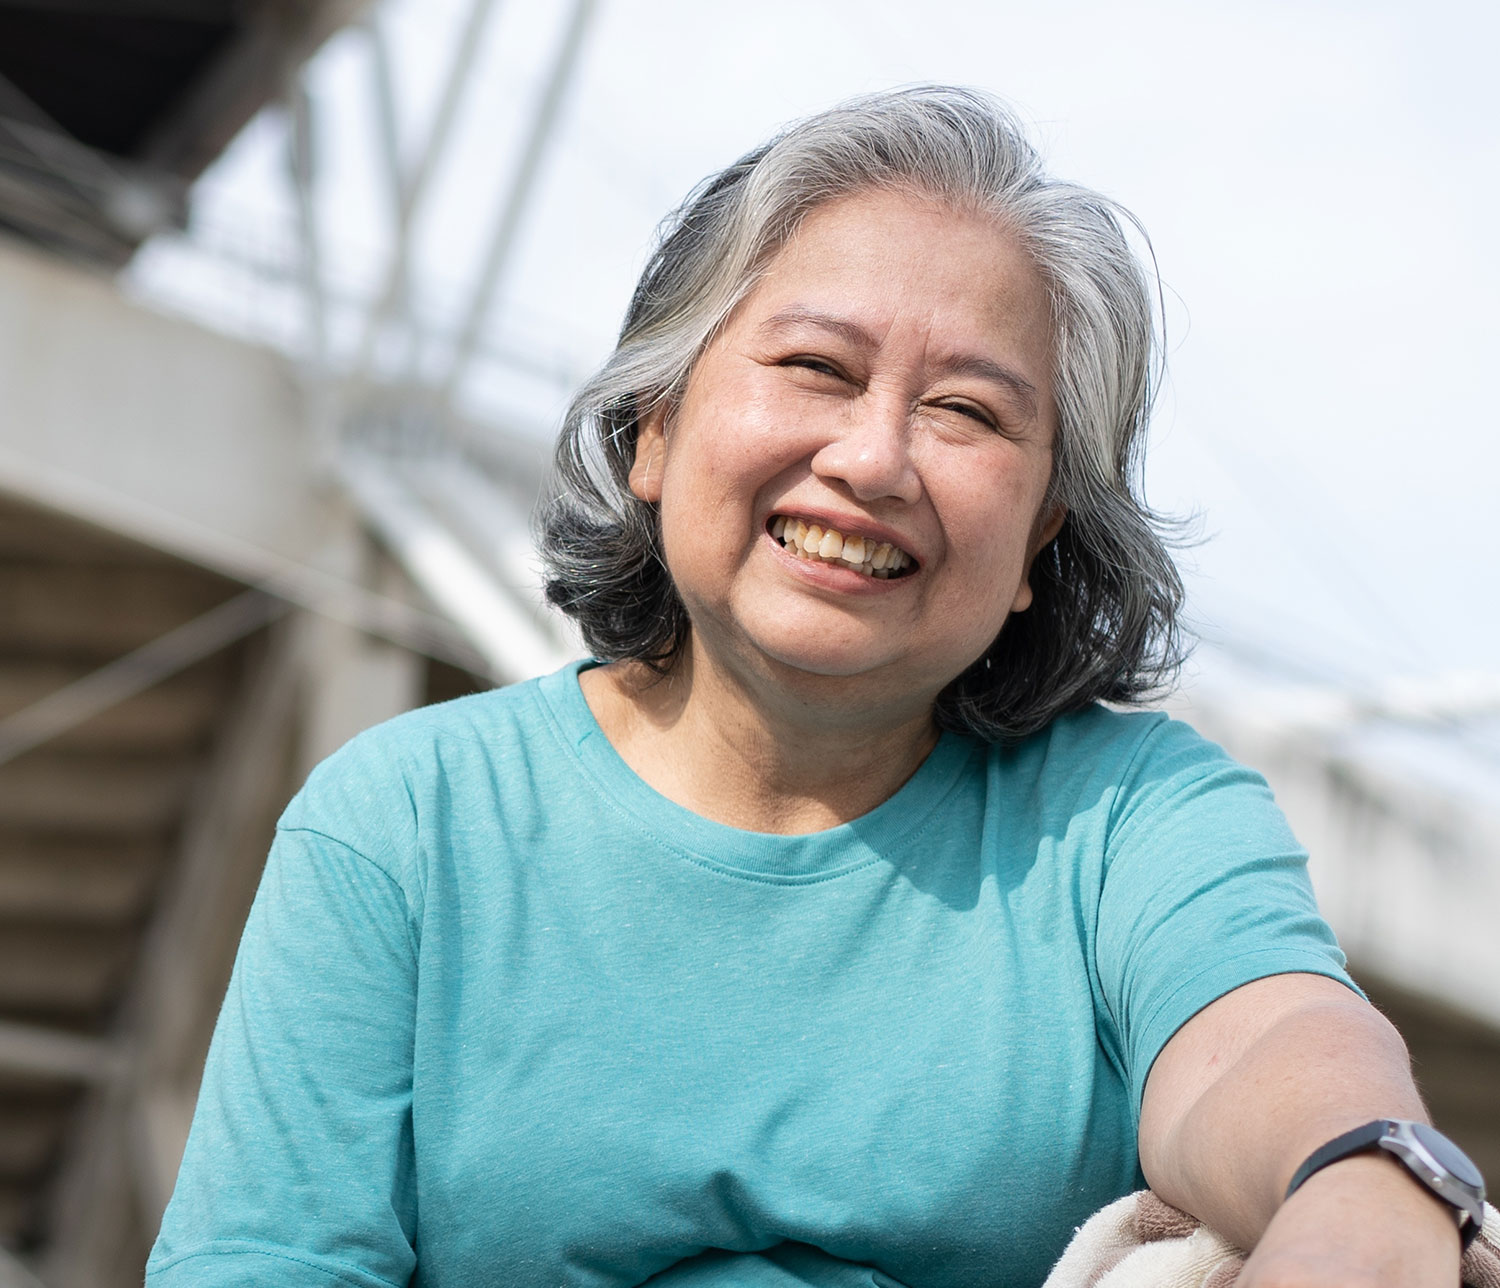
{"points": [[810, 363], [973, 412]]}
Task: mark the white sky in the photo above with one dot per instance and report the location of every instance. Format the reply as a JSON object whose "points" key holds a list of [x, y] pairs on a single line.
{"points": [[1320, 181]]}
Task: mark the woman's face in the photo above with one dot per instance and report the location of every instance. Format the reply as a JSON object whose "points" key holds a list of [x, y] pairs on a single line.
{"points": [[888, 380]]}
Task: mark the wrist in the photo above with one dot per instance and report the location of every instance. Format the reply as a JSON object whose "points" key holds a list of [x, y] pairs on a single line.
{"points": [[1427, 1158], [1361, 1220], [1376, 1186]]}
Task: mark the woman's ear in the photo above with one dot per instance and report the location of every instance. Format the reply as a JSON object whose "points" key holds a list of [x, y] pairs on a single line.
{"points": [[1049, 526], [649, 466]]}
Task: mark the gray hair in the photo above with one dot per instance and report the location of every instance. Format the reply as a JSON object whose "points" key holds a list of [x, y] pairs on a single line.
{"points": [[1103, 623]]}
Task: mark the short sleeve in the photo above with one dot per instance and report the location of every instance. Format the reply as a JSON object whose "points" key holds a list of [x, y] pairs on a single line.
{"points": [[1205, 889], [298, 1167]]}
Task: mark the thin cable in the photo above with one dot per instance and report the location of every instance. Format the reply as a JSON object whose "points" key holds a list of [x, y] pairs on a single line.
{"points": [[97, 692]]}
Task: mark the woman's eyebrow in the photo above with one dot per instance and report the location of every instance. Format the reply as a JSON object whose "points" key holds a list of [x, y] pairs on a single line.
{"points": [[1021, 389], [841, 327]]}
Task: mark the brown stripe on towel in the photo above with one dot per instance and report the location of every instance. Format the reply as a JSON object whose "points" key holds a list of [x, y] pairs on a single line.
{"points": [[1482, 1260], [1157, 1219]]}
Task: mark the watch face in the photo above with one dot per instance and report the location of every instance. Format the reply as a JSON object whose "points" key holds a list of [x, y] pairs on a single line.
{"points": [[1449, 1155]]}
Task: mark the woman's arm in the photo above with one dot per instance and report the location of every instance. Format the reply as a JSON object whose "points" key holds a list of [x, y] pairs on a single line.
{"points": [[1252, 1085], [299, 1168]]}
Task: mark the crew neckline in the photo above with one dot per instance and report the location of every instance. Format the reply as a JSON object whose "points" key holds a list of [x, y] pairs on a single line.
{"points": [[881, 834]]}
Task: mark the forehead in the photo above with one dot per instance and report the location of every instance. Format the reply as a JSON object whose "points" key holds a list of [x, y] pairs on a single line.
{"points": [[895, 248]]}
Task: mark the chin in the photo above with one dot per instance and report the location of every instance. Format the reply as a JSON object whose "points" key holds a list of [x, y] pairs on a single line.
{"points": [[830, 662], [781, 652], [868, 667], [832, 668]]}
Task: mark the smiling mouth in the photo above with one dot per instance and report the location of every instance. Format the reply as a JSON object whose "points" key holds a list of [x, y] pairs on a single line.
{"points": [[859, 554]]}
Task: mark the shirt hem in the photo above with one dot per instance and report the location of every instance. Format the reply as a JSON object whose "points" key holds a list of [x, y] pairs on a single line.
{"points": [[338, 1274]]}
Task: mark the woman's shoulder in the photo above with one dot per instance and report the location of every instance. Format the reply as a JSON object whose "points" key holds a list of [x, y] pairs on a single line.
{"points": [[1126, 765], [426, 739], [379, 791], [1155, 774], [1122, 744]]}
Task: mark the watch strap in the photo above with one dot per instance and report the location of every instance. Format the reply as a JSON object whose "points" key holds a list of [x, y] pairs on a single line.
{"points": [[1351, 1142]]}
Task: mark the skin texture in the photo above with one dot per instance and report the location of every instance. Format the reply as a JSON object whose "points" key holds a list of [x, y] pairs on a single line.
{"points": [[890, 374]]}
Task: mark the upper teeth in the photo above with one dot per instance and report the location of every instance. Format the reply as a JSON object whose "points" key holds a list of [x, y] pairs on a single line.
{"points": [[864, 554]]}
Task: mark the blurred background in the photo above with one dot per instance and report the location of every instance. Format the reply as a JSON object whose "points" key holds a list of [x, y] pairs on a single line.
{"points": [[292, 294]]}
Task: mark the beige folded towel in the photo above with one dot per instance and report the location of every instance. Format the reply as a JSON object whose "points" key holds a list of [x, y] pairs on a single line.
{"points": [[1141, 1242]]}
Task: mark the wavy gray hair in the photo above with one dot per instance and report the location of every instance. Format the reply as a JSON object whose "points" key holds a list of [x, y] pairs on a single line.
{"points": [[1103, 621]]}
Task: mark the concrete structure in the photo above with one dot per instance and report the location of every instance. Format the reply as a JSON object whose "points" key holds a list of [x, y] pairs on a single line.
{"points": [[156, 506]]}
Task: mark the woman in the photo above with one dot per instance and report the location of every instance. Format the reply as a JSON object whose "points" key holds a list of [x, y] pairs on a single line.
{"points": [[829, 931]]}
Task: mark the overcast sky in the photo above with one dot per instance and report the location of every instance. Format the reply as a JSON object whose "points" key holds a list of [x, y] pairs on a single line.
{"points": [[1320, 182]]}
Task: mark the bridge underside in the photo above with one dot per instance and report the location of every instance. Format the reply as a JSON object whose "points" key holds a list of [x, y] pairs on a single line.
{"points": [[130, 846]]}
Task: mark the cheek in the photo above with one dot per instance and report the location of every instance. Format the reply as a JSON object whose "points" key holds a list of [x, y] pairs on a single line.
{"points": [[709, 495], [733, 462], [992, 512]]}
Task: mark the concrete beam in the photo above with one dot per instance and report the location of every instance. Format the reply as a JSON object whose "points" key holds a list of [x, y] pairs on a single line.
{"points": [[200, 427], [52, 1053], [93, 794], [69, 972], [352, 682], [27, 1140], [104, 881], [97, 612]]}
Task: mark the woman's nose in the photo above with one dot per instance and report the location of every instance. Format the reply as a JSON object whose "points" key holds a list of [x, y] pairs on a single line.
{"points": [[871, 452]]}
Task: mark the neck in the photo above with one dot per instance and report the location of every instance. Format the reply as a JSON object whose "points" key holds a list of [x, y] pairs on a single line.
{"points": [[775, 754]]}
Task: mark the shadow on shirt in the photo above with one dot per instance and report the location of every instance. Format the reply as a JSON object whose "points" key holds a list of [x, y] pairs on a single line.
{"points": [[787, 1265]]}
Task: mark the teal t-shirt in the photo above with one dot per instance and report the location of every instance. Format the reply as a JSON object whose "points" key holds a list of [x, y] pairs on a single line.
{"points": [[503, 1015]]}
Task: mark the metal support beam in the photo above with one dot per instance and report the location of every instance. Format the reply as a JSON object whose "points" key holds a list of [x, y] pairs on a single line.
{"points": [[409, 184], [508, 223], [494, 618], [303, 166], [320, 399], [493, 522]]}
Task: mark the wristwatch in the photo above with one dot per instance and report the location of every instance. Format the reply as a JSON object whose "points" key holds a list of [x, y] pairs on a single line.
{"points": [[1425, 1152]]}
